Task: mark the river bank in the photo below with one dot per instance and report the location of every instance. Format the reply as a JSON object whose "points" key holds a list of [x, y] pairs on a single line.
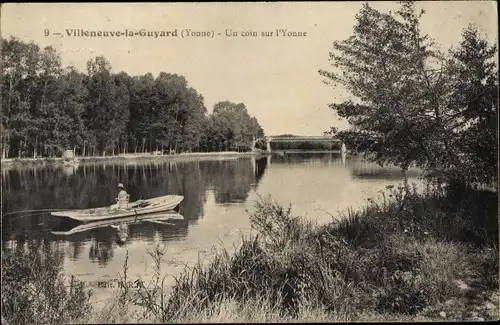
{"points": [[126, 158], [427, 256]]}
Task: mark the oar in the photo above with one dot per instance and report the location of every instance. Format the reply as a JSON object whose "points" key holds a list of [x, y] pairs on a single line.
{"points": [[135, 219], [36, 210]]}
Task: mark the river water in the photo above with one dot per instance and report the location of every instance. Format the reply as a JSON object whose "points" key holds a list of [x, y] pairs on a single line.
{"points": [[218, 196]]}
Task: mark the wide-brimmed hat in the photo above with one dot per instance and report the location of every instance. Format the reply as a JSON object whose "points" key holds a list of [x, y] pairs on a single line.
{"points": [[120, 185]]}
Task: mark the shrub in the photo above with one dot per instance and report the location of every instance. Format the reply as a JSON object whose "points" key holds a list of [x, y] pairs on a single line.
{"points": [[399, 256], [35, 291]]}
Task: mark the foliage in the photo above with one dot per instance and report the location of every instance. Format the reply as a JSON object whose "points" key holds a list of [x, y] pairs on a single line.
{"points": [[35, 291], [230, 127], [473, 76], [402, 256], [261, 144], [47, 109], [413, 105]]}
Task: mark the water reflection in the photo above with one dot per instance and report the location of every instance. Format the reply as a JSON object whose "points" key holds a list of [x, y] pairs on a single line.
{"points": [[90, 186], [121, 225], [101, 252], [217, 195], [358, 168]]}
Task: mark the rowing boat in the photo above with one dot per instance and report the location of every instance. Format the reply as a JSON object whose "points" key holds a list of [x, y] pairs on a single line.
{"points": [[156, 218], [140, 207]]}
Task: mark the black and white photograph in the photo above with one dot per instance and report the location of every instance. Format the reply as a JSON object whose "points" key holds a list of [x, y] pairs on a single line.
{"points": [[249, 162]]}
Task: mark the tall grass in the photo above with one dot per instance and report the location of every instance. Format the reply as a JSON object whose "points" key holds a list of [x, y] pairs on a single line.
{"points": [[401, 257], [34, 290]]}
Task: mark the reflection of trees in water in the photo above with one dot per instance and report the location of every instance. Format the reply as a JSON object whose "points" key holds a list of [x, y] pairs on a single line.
{"points": [[232, 180], [93, 185], [178, 229], [101, 249], [21, 228], [260, 165], [374, 171], [141, 230], [40, 248], [77, 249], [101, 252], [193, 183], [17, 184]]}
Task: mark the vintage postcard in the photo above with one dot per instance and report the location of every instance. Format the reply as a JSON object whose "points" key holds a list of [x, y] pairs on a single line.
{"points": [[249, 162]]}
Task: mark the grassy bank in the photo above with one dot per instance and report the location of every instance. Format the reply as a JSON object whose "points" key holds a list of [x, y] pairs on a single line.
{"points": [[428, 256], [413, 256], [126, 158]]}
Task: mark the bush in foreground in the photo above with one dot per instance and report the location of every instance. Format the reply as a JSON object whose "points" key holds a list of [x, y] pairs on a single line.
{"points": [[403, 256], [34, 290]]}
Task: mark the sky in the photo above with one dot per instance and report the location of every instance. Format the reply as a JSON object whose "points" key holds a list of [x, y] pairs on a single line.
{"points": [[275, 77]]}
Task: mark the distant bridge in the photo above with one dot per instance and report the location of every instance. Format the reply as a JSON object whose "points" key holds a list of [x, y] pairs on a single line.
{"points": [[322, 138]]}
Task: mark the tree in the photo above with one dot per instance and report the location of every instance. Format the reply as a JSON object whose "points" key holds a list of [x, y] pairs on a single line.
{"points": [[138, 128], [12, 74], [257, 130], [233, 127], [120, 113], [47, 116], [400, 112], [177, 113], [107, 111], [28, 100], [193, 120], [473, 106], [47, 109], [69, 109]]}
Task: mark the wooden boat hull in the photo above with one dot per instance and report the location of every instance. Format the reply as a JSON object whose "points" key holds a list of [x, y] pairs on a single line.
{"points": [[165, 217], [137, 208]]}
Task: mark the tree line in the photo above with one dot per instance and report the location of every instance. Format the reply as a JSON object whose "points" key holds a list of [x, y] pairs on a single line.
{"points": [[47, 109], [413, 105]]}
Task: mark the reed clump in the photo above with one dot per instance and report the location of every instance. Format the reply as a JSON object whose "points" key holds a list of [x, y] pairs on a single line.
{"points": [[412, 255], [35, 291]]}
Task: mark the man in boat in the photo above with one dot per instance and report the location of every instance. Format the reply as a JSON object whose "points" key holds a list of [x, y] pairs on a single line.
{"points": [[123, 197]]}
